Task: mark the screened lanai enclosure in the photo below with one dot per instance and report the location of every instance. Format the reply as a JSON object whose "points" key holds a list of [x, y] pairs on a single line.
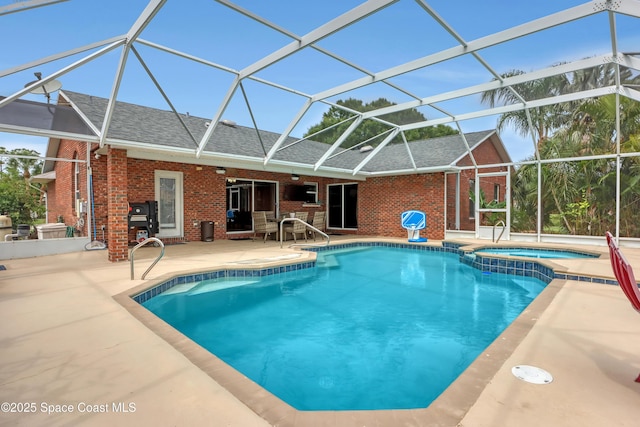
{"points": [[559, 81]]}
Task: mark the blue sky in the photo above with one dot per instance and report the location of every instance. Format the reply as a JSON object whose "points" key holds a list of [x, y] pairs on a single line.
{"points": [[400, 33]]}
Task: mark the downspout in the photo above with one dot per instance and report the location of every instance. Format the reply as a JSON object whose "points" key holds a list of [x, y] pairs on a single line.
{"points": [[89, 207]]}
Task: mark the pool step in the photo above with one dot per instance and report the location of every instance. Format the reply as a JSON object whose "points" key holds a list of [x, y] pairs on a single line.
{"points": [[196, 288], [181, 289], [350, 250], [327, 261], [219, 285]]}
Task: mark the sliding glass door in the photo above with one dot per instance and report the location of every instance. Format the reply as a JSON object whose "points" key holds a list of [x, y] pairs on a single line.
{"points": [[246, 196], [342, 206]]}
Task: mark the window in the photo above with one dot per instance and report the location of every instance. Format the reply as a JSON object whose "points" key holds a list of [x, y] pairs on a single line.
{"points": [[311, 192], [342, 204], [472, 204], [496, 192]]}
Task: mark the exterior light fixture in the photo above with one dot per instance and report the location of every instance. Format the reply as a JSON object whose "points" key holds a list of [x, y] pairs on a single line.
{"points": [[295, 177], [221, 171]]}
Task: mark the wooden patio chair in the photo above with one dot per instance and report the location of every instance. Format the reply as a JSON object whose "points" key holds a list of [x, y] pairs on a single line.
{"points": [[296, 227], [624, 275], [262, 226], [318, 222]]}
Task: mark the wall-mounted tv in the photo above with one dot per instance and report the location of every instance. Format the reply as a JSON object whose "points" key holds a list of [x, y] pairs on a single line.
{"points": [[298, 193]]}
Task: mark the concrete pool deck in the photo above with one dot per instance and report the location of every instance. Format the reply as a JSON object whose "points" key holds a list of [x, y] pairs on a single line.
{"points": [[68, 345]]}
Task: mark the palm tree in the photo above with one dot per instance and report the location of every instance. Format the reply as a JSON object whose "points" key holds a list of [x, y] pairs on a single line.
{"points": [[544, 119], [524, 194], [585, 127], [599, 76]]}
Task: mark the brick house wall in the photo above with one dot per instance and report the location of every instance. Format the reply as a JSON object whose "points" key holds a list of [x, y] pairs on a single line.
{"points": [[117, 204], [60, 196], [381, 200], [119, 180]]}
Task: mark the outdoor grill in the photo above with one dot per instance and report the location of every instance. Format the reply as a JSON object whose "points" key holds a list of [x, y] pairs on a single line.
{"points": [[143, 216]]}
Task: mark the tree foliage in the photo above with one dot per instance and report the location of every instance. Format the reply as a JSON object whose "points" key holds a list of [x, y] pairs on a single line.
{"points": [[19, 198], [577, 197], [337, 120]]}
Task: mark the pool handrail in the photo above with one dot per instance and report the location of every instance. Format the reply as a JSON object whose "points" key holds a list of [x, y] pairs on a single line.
{"points": [[493, 232], [294, 219], [157, 242]]}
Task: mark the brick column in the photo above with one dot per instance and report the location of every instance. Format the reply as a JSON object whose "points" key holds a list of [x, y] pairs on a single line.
{"points": [[117, 205]]}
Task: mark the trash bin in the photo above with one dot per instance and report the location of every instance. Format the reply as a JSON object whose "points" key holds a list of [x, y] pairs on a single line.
{"points": [[206, 231]]}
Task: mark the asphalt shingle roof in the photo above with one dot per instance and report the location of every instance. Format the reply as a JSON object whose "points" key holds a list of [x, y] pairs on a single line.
{"points": [[161, 128]]}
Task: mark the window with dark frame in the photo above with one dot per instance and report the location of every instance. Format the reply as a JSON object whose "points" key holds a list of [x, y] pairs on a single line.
{"points": [[342, 206]]}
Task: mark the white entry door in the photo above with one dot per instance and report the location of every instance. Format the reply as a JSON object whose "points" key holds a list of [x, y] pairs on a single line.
{"points": [[169, 196]]}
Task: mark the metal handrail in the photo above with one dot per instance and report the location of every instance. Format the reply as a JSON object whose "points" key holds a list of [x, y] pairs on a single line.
{"points": [[493, 232], [307, 225], [141, 244]]}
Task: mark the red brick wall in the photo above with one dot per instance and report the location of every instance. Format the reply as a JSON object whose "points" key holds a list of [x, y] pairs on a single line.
{"points": [[100, 200], [118, 205], [60, 195], [382, 200]]}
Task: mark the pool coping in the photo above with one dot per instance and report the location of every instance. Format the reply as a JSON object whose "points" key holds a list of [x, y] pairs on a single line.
{"points": [[448, 409]]}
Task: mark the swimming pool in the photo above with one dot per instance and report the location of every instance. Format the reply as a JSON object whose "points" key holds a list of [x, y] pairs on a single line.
{"points": [[537, 253], [368, 328]]}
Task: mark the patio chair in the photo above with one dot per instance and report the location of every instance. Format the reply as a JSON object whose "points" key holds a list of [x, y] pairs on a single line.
{"points": [[624, 275], [296, 227], [262, 226], [318, 222]]}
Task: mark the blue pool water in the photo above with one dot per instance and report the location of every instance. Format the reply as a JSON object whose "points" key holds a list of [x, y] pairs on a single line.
{"points": [[536, 253], [368, 328]]}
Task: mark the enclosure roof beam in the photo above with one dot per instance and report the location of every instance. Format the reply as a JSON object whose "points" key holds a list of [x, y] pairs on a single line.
{"points": [[512, 107], [20, 6], [141, 23], [497, 84], [338, 142], [534, 26], [342, 21], [60, 72], [375, 151]]}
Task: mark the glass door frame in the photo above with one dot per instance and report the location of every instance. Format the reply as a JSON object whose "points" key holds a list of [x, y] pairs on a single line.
{"points": [[178, 229], [252, 198]]}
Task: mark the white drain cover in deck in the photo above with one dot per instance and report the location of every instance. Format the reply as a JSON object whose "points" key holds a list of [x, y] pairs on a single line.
{"points": [[532, 374]]}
